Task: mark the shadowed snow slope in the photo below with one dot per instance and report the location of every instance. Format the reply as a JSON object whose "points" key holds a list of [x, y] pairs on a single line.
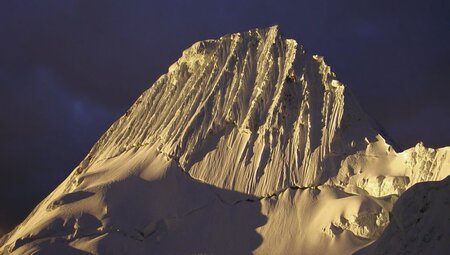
{"points": [[420, 223], [247, 145]]}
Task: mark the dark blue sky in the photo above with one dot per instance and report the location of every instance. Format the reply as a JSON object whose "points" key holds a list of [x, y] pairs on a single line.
{"points": [[68, 69]]}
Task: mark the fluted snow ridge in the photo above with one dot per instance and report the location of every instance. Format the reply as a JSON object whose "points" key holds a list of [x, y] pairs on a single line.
{"points": [[250, 112]]}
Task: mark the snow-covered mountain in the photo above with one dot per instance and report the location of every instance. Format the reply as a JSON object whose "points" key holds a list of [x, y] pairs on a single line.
{"points": [[247, 145]]}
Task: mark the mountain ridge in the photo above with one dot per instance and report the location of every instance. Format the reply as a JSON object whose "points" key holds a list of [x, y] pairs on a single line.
{"points": [[248, 128], [182, 146]]}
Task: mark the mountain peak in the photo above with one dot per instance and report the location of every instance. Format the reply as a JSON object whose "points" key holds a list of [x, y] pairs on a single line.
{"points": [[246, 138], [250, 100]]}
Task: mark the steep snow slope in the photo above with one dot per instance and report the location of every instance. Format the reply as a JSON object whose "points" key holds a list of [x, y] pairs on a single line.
{"points": [[247, 144], [253, 106]]}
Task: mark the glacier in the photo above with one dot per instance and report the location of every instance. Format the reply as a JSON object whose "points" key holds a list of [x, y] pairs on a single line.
{"points": [[248, 144]]}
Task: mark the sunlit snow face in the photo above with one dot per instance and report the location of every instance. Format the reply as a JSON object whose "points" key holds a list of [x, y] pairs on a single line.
{"points": [[392, 57]]}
